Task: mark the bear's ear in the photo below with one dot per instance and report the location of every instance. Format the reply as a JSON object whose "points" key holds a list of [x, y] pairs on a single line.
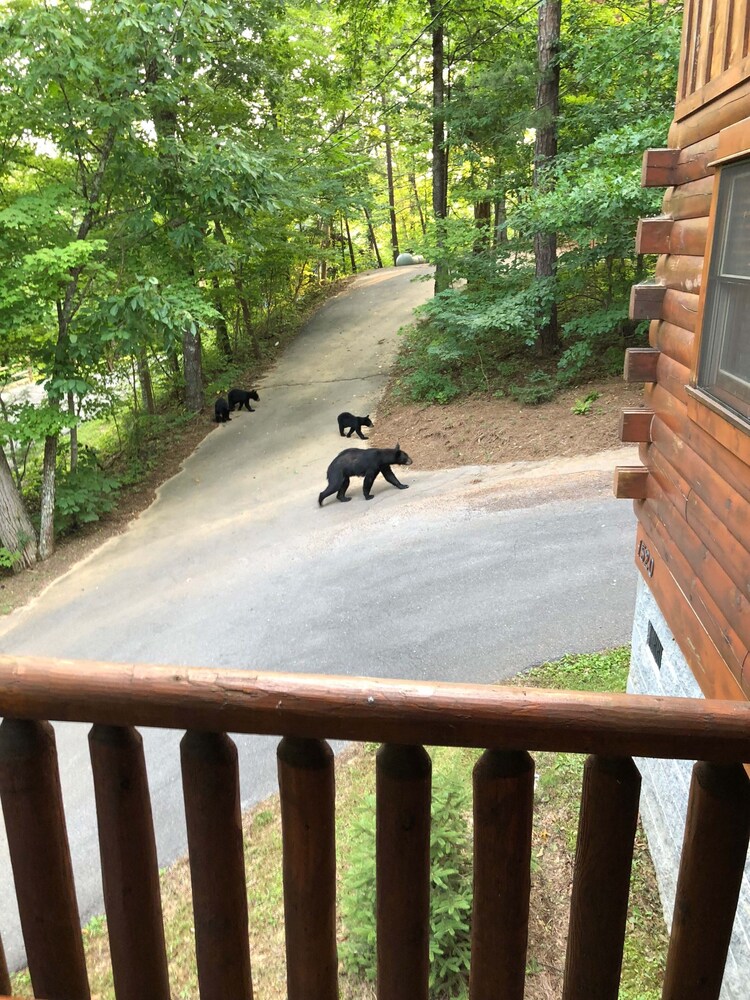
{"points": [[398, 446]]}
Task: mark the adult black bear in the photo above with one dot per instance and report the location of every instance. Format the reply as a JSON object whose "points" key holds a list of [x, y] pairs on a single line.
{"points": [[221, 411], [367, 462], [242, 398], [355, 424]]}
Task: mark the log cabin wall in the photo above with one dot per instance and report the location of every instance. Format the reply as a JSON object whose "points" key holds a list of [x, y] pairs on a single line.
{"points": [[692, 493], [715, 53]]}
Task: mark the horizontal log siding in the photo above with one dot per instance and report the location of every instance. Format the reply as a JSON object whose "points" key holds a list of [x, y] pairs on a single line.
{"points": [[680, 271], [706, 661], [714, 52], [689, 201], [688, 236], [727, 464], [693, 160], [709, 585], [673, 377], [711, 118], [695, 518], [673, 341], [680, 308]]}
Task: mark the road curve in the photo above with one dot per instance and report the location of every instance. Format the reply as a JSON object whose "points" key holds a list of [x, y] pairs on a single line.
{"points": [[472, 574]]}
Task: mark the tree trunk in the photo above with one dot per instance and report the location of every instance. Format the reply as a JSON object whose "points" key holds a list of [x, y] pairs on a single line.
{"points": [[73, 434], [242, 298], [47, 513], [222, 330], [11, 447], [389, 174], [16, 530], [351, 248], [500, 227], [325, 242], [342, 243], [373, 241], [144, 377], [482, 218], [54, 399], [439, 151], [545, 151], [191, 359], [413, 182], [247, 322]]}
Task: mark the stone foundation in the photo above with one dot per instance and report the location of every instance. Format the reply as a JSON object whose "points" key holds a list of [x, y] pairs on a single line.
{"points": [[666, 782]]}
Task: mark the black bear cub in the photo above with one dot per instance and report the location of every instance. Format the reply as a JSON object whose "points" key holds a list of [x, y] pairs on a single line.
{"points": [[239, 397], [221, 411], [367, 462], [355, 424]]}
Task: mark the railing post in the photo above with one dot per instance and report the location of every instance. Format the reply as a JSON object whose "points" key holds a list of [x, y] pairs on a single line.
{"points": [[211, 787], [130, 872], [601, 879], [4, 976], [40, 856], [503, 810], [403, 779], [708, 884], [307, 793]]}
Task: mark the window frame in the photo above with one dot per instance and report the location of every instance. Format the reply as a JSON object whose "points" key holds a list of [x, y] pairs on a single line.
{"points": [[733, 150]]}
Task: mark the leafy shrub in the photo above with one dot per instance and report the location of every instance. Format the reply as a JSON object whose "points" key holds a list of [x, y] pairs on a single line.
{"points": [[84, 495], [429, 386], [540, 388], [8, 559], [583, 406], [450, 890]]}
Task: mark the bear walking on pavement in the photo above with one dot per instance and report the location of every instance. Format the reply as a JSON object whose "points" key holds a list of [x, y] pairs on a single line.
{"points": [[221, 411], [240, 398], [367, 462]]}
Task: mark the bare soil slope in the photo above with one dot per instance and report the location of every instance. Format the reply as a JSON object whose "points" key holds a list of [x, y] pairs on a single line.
{"points": [[482, 430]]}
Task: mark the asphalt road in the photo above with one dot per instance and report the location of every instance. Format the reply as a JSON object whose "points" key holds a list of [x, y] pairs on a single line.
{"points": [[472, 574]]}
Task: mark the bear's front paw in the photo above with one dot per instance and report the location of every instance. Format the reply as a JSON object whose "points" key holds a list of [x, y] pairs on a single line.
{"points": [[369, 496], [403, 486], [345, 499]]}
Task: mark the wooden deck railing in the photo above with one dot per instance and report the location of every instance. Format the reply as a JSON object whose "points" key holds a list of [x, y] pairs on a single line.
{"points": [[305, 710]]}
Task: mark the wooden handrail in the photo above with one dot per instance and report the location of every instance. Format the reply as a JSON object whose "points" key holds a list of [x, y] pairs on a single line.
{"points": [[305, 709], [313, 706]]}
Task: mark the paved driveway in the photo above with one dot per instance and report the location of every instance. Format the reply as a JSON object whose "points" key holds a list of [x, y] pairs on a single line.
{"points": [[471, 574]]}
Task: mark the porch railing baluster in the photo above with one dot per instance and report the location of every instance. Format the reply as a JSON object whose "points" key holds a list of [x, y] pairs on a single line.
{"points": [[601, 880], [40, 856], [210, 782], [308, 800], [130, 872], [403, 784], [503, 807], [4, 976], [708, 884]]}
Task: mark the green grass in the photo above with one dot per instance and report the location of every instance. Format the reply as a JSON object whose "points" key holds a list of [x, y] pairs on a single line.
{"points": [[557, 799], [555, 823]]}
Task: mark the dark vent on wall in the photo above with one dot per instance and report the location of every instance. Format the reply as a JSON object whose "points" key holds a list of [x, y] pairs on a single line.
{"points": [[654, 644]]}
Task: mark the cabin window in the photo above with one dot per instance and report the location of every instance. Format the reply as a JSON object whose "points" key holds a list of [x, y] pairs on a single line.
{"points": [[724, 366]]}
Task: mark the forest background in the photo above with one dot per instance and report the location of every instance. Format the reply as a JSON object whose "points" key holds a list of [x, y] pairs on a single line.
{"points": [[179, 182]]}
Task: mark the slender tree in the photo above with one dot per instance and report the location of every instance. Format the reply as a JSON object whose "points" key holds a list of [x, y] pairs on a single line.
{"points": [[545, 151], [389, 174], [439, 150]]}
